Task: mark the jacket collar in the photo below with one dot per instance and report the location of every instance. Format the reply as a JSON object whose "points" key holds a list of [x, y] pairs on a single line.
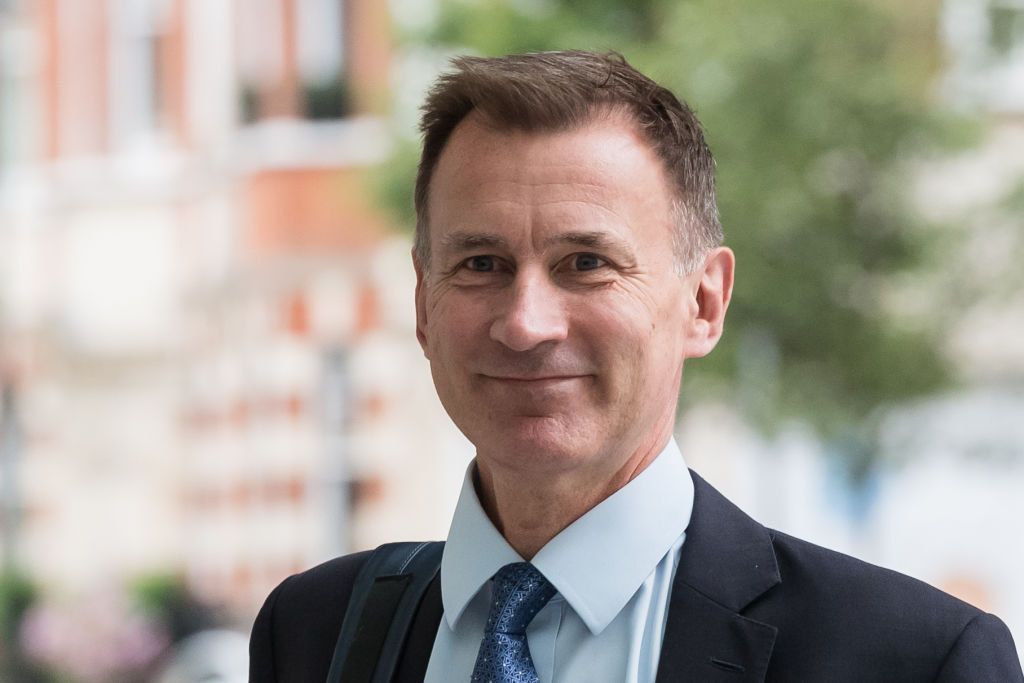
{"points": [[727, 562]]}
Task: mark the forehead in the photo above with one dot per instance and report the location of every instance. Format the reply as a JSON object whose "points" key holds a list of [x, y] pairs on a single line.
{"points": [[602, 171]]}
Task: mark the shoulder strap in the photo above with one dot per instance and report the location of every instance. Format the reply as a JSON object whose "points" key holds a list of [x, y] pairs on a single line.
{"points": [[385, 595]]}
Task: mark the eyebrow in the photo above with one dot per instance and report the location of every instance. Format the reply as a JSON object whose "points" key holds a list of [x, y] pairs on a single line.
{"points": [[592, 239], [467, 241]]}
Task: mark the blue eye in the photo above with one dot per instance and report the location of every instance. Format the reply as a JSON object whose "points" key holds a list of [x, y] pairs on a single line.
{"points": [[480, 264], [588, 262]]}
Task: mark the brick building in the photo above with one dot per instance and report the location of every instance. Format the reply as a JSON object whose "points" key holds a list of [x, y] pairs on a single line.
{"points": [[205, 321]]}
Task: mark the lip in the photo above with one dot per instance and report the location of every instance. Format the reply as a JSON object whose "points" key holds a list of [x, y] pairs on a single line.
{"points": [[534, 380]]}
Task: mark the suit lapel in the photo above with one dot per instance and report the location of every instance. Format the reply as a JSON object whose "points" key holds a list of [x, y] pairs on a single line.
{"points": [[727, 562]]}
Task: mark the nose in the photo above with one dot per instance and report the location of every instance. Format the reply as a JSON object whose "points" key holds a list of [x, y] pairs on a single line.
{"points": [[532, 314]]}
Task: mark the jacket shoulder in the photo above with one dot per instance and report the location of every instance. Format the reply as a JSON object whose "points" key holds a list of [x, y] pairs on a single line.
{"points": [[297, 627], [836, 618], [860, 613], [835, 580]]}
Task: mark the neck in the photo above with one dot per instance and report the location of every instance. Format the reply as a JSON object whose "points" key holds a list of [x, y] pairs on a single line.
{"points": [[529, 509]]}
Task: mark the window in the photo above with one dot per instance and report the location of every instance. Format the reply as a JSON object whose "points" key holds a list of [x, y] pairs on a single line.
{"points": [[136, 74], [1006, 28], [320, 44], [292, 59], [986, 44]]}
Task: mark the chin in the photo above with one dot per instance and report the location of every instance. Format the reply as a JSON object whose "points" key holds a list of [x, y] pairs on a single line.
{"points": [[536, 444]]}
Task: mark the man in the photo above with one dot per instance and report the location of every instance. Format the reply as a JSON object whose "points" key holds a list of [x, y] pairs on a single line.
{"points": [[568, 259]]}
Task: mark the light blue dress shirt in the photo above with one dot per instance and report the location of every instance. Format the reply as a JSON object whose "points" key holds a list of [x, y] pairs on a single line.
{"points": [[613, 569]]}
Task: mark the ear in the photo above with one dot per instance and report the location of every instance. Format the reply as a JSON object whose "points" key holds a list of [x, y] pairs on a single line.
{"points": [[713, 290], [421, 306]]}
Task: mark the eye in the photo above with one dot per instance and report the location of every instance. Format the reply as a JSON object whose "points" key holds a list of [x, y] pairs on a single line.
{"points": [[480, 264], [587, 261]]}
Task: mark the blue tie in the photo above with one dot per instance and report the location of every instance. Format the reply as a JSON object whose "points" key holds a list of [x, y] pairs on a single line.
{"points": [[518, 592]]}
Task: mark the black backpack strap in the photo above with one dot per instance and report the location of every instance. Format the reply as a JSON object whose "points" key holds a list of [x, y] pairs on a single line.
{"points": [[385, 596]]}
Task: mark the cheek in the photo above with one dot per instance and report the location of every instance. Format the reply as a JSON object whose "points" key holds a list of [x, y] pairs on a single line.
{"points": [[637, 347], [454, 326], [619, 341]]}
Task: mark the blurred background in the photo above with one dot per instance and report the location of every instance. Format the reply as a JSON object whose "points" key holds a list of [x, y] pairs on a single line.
{"points": [[208, 373]]}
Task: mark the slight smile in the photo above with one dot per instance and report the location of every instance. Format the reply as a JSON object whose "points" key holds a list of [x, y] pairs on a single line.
{"points": [[535, 380]]}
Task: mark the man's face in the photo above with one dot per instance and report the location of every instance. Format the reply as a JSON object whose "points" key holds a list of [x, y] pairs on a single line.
{"points": [[552, 314]]}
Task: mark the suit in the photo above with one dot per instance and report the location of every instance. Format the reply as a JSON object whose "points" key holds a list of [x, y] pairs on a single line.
{"points": [[747, 604]]}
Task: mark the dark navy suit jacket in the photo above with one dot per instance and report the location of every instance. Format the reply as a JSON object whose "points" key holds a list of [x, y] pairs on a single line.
{"points": [[748, 604]]}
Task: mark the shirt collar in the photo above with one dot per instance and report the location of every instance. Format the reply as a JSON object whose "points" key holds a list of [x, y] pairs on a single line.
{"points": [[627, 535]]}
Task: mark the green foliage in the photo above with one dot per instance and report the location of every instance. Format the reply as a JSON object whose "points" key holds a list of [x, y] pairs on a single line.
{"points": [[393, 183], [166, 598], [813, 108], [17, 594], [156, 593]]}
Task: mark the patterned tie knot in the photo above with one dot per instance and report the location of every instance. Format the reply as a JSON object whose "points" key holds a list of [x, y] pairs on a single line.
{"points": [[518, 592]]}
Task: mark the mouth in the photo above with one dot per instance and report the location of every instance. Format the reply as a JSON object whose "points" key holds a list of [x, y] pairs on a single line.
{"points": [[527, 380]]}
